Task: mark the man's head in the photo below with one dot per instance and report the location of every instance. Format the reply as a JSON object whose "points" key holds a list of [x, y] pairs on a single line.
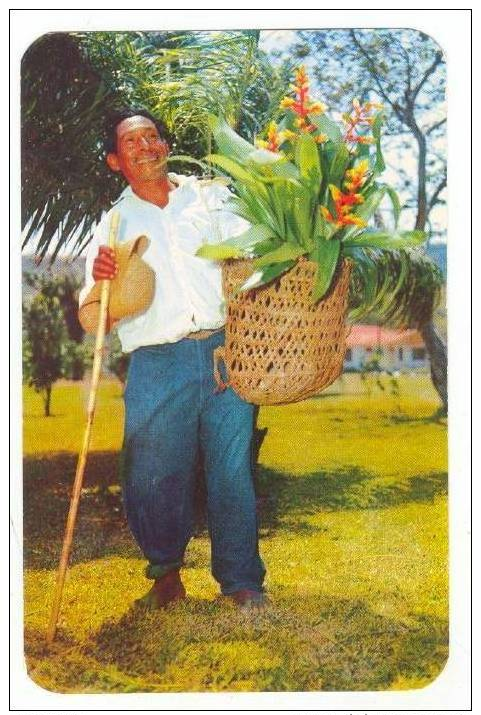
{"points": [[136, 146]]}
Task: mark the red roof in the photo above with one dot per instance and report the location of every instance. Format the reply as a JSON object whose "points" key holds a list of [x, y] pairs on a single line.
{"points": [[370, 336]]}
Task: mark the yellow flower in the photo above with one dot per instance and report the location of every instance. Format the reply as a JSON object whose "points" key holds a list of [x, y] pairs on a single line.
{"points": [[287, 102], [374, 105], [355, 221], [365, 140], [287, 135], [317, 108], [301, 77], [335, 192], [300, 122], [321, 138], [261, 143]]}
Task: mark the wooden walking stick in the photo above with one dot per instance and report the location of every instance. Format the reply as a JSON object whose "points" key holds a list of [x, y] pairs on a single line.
{"points": [[82, 460]]}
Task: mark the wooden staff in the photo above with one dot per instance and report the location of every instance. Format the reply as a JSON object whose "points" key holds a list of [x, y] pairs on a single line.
{"points": [[82, 460]]}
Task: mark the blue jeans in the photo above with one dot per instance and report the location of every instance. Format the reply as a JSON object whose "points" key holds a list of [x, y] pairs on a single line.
{"points": [[171, 412]]}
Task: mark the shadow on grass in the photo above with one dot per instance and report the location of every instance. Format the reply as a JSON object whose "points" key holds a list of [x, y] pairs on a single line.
{"points": [[102, 530], [309, 643], [348, 488]]}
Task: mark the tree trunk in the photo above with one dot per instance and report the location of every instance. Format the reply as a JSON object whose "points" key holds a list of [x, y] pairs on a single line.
{"points": [[439, 363], [434, 344], [46, 401], [422, 215]]}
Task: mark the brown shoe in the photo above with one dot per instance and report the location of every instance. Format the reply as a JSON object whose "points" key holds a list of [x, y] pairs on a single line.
{"points": [[245, 598], [167, 589]]}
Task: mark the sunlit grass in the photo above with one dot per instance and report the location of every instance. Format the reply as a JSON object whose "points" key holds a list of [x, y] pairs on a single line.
{"points": [[353, 533]]}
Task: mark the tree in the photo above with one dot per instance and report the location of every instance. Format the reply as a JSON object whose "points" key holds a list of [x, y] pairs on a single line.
{"points": [[43, 335], [65, 287], [405, 70]]}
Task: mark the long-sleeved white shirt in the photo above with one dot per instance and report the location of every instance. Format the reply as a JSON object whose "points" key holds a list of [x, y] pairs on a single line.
{"points": [[188, 289]]}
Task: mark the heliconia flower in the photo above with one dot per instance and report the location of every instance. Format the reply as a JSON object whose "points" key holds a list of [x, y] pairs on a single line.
{"points": [[275, 138], [356, 176], [365, 140], [302, 104], [321, 138], [373, 105], [342, 208], [301, 76], [287, 102], [327, 214], [360, 117], [354, 221], [317, 108]]}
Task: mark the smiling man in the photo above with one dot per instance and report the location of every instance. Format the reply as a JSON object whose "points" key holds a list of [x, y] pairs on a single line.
{"points": [[173, 412]]}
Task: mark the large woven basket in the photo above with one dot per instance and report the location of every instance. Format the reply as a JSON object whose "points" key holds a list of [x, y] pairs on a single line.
{"points": [[279, 346]]}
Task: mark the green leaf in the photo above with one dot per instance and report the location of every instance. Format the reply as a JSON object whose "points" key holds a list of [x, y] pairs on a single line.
{"points": [[396, 204], [339, 165], [248, 239], [307, 160], [327, 126], [231, 167], [285, 252], [266, 275], [379, 164], [228, 141], [326, 255], [218, 251], [387, 241]]}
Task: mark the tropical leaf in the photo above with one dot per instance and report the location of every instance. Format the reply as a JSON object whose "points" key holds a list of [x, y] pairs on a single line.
{"points": [[339, 164], [266, 275], [308, 163], [219, 251], [327, 126], [228, 141], [379, 164], [284, 253], [387, 241], [326, 255], [232, 167], [248, 239], [396, 204]]}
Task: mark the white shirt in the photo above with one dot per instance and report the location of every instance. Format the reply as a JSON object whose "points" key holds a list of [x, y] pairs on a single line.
{"points": [[188, 289]]}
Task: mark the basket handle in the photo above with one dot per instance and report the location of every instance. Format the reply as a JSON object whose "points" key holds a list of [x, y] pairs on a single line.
{"points": [[219, 354]]}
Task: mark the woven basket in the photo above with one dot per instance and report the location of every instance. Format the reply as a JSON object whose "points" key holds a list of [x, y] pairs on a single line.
{"points": [[279, 346]]}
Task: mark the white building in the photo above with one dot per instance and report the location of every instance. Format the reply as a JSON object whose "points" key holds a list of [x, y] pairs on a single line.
{"points": [[396, 349]]}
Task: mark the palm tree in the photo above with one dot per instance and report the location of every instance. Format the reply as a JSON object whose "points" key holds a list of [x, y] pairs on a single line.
{"points": [[70, 81]]}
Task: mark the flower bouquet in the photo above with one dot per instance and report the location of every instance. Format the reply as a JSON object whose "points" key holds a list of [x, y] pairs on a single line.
{"points": [[309, 188]]}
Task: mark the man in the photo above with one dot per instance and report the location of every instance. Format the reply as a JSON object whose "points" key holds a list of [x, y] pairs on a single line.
{"points": [[172, 408]]}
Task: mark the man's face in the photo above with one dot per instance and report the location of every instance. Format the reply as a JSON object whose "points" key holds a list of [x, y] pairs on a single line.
{"points": [[141, 153]]}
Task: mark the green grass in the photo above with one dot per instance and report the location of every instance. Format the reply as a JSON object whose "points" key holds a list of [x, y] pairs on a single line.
{"points": [[353, 518]]}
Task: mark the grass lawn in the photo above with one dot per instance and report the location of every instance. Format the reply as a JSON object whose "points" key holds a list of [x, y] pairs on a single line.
{"points": [[353, 515]]}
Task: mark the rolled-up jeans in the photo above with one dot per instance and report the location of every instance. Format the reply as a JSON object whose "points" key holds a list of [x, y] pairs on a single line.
{"points": [[172, 412]]}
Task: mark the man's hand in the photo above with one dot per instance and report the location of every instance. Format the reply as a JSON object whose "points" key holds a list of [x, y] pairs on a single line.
{"points": [[105, 266]]}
